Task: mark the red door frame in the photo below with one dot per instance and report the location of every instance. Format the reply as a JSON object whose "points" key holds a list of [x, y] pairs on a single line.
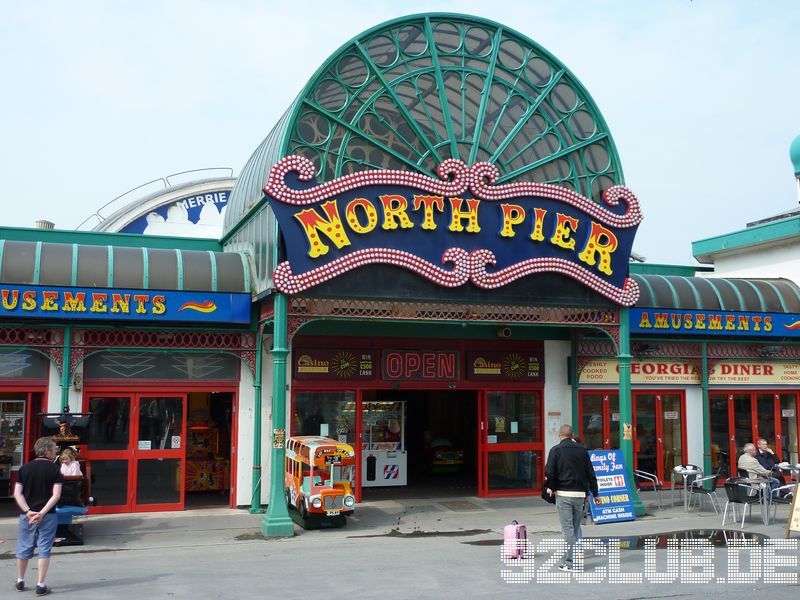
{"points": [[32, 424], [607, 415], [376, 384], [148, 389], [485, 448], [776, 394], [659, 414]]}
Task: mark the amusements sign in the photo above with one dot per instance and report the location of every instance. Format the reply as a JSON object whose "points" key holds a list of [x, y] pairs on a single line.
{"points": [[462, 227], [714, 323], [114, 304], [615, 494], [327, 365], [505, 366]]}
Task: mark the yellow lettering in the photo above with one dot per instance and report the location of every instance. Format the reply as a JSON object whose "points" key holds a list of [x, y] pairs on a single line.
{"points": [[513, 214], [159, 305], [395, 207], [565, 226], [429, 202], [471, 214], [603, 242], [313, 222], [74, 303]]}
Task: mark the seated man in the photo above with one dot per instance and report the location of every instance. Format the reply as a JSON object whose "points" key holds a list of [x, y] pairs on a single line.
{"points": [[769, 460], [748, 462]]}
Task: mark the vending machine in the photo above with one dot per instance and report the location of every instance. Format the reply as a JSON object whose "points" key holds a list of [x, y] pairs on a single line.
{"points": [[12, 443], [384, 455]]}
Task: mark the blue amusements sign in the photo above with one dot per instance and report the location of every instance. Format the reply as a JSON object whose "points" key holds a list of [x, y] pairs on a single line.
{"points": [[460, 228], [714, 322], [615, 494], [95, 304]]}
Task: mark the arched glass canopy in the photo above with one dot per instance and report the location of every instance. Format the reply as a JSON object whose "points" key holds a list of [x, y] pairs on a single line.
{"points": [[412, 92]]}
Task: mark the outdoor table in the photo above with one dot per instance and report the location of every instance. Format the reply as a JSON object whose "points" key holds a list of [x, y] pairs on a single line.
{"points": [[790, 472], [685, 474]]}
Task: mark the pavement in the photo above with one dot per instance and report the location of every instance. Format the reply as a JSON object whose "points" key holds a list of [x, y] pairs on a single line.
{"points": [[411, 548]]}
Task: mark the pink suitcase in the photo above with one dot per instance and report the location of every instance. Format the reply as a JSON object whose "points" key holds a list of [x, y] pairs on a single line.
{"points": [[514, 538]]}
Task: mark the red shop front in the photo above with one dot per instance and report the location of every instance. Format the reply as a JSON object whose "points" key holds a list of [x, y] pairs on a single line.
{"points": [[451, 417]]}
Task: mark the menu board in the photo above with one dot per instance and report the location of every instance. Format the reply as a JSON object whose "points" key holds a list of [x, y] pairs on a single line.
{"points": [[793, 524]]}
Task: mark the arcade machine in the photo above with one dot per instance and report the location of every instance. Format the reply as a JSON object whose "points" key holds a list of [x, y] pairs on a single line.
{"points": [[384, 455]]}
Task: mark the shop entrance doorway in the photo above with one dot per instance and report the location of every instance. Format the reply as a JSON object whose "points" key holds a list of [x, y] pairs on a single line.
{"points": [[741, 417], [148, 450], [419, 443], [658, 427]]}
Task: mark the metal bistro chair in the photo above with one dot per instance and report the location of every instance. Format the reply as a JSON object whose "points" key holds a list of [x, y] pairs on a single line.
{"points": [[705, 487], [655, 483], [739, 493], [779, 496]]}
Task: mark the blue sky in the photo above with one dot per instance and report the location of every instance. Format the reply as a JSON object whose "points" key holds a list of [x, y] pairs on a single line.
{"points": [[99, 97]]}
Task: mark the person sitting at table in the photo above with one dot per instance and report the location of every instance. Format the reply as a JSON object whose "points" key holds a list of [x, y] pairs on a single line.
{"points": [[767, 458], [748, 462]]}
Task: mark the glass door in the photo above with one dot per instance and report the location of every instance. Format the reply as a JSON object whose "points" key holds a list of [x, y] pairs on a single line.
{"points": [[737, 419], [511, 443], [598, 426], [136, 452], [658, 440], [159, 453]]}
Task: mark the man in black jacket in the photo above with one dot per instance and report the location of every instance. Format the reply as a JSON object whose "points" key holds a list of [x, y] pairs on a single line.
{"points": [[570, 475]]}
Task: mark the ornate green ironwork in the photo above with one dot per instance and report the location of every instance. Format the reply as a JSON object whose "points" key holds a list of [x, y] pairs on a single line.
{"points": [[412, 92]]}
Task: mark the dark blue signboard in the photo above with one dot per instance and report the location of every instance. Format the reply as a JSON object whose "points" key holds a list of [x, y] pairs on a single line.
{"points": [[714, 323], [458, 229], [189, 211], [615, 494], [111, 304]]}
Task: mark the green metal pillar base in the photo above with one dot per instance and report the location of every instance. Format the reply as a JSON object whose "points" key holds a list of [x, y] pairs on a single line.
{"points": [[638, 505], [278, 525]]}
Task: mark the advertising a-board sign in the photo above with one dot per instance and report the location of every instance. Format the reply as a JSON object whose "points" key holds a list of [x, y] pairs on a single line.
{"points": [[462, 227], [616, 503]]}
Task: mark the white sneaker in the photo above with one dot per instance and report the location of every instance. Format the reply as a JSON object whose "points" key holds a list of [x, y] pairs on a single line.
{"points": [[565, 568]]}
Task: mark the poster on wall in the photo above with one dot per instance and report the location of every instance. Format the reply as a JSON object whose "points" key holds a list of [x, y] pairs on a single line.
{"points": [[616, 503], [522, 365], [331, 365]]}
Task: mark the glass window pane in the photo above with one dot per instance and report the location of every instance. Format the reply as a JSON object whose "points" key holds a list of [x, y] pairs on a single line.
{"points": [[514, 470], [110, 422], [614, 425], [158, 481], [645, 438], [742, 422], [789, 431], [765, 409], [108, 481], [159, 420], [719, 434], [332, 414], [515, 417], [12, 432], [591, 434], [22, 364], [672, 440], [173, 365]]}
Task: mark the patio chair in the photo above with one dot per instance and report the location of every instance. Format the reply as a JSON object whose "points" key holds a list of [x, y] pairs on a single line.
{"points": [[655, 483], [738, 492], [781, 495], [704, 487]]}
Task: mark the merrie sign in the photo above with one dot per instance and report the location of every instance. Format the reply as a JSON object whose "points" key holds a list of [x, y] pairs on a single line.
{"points": [[460, 228]]}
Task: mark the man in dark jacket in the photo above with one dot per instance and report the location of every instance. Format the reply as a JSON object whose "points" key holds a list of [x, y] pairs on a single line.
{"points": [[570, 475]]}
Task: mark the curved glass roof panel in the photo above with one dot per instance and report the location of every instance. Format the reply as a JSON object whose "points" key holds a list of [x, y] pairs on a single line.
{"points": [[413, 92]]}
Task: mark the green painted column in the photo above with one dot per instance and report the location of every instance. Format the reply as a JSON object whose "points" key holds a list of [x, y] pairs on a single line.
{"points": [[255, 500], [573, 367], [277, 522], [625, 404], [65, 370], [706, 416]]}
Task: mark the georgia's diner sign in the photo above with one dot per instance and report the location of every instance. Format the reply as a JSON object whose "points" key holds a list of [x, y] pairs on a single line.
{"points": [[459, 228]]}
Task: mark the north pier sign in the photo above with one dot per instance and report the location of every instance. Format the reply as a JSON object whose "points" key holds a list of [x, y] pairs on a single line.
{"points": [[460, 228]]}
